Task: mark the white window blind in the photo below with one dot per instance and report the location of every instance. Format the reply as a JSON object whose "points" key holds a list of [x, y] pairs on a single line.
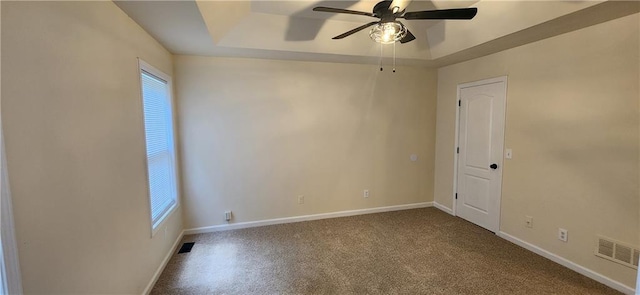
{"points": [[158, 123]]}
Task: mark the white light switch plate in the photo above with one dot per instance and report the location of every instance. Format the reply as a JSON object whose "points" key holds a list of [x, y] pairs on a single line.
{"points": [[508, 154]]}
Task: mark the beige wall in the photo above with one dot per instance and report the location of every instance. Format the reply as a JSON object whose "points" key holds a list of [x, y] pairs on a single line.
{"points": [[72, 118], [258, 133], [573, 123]]}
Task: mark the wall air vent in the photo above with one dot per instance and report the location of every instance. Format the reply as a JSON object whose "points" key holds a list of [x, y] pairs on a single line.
{"points": [[617, 252]]}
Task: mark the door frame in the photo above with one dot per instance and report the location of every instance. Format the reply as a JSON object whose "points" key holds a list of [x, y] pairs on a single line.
{"points": [[457, 134]]}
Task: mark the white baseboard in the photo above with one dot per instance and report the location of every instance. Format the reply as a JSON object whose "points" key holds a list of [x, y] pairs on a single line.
{"points": [[443, 208], [568, 264], [158, 272], [215, 228]]}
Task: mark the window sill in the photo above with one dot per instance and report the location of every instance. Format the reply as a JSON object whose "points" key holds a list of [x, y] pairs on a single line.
{"points": [[163, 220]]}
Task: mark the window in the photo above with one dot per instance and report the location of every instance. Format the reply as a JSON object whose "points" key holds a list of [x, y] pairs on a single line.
{"points": [[10, 281], [158, 127]]}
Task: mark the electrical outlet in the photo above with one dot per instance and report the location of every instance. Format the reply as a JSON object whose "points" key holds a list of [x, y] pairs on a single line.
{"points": [[366, 193], [227, 215], [563, 235], [301, 199], [529, 221]]}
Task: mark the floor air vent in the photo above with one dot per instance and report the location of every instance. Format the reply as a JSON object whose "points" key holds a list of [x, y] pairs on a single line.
{"points": [[617, 252], [186, 248]]}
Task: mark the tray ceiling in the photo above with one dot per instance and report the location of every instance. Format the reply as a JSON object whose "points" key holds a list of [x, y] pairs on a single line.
{"points": [[291, 30]]}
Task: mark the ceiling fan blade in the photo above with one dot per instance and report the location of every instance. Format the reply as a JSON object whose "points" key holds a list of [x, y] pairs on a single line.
{"points": [[339, 10], [457, 13], [408, 38], [358, 29]]}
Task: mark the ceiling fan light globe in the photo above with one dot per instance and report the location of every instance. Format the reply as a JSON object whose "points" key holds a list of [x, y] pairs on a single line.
{"points": [[388, 32]]}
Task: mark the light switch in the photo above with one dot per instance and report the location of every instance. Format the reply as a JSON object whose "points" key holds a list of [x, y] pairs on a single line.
{"points": [[508, 154]]}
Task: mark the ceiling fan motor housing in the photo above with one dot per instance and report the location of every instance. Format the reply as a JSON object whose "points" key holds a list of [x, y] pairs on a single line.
{"points": [[385, 12]]}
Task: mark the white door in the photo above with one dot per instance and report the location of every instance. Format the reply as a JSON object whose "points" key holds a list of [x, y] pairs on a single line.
{"points": [[480, 150]]}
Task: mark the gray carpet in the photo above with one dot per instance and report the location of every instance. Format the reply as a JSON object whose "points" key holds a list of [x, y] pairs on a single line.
{"points": [[421, 251]]}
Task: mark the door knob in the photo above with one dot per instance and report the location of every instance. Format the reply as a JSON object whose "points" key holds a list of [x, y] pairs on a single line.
{"points": [[494, 166]]}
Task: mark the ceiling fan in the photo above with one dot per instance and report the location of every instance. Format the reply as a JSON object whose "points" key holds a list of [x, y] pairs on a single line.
{"points": [[388, 30]]}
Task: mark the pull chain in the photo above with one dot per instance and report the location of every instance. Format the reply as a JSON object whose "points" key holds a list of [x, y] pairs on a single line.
{"points": [[380, 61], [394, 57]]}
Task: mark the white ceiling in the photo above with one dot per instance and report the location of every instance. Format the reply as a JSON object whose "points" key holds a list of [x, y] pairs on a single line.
{"points": [[291, 30]]}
